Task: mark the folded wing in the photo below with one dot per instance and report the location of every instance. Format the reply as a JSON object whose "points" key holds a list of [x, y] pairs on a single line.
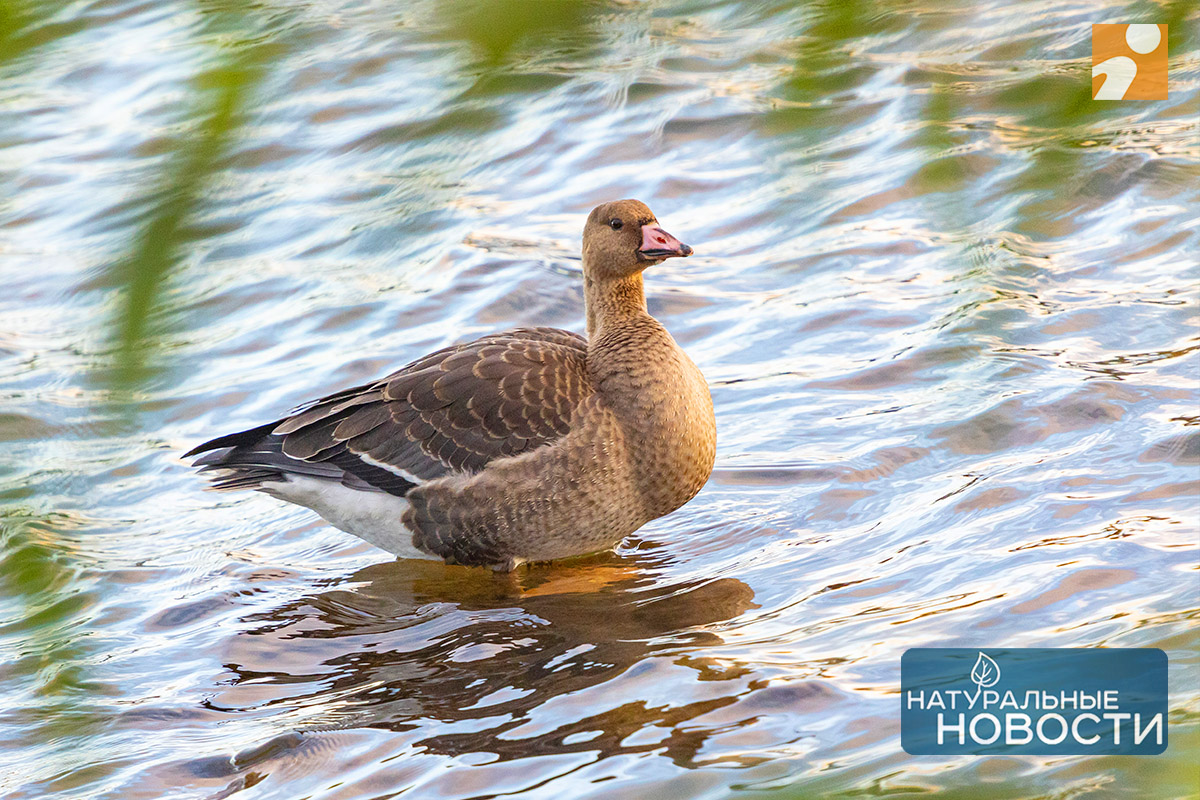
{"points": [[453, 411]]}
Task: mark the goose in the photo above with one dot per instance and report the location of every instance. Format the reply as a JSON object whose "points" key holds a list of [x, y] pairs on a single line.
{"points": [[530, 445]]}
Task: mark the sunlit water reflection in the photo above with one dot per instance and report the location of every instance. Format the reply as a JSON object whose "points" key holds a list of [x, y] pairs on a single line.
{"points": [[946, 303]]}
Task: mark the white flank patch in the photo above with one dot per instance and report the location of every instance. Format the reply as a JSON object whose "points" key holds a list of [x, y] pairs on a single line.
{"points": [[371, 516]]}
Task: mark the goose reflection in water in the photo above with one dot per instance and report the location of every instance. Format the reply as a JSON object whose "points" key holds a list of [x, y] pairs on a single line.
{"points": [[403, 644]]}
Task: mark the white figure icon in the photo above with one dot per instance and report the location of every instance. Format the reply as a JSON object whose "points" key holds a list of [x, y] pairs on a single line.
{"points": [[1119, 71]]}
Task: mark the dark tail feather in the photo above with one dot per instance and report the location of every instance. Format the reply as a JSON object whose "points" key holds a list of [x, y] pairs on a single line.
{"points": [[243, 479], [245, 438], [250, 458]]}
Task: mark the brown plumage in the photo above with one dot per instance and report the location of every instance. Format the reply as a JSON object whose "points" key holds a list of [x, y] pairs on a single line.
{"points": [[529, 445]]}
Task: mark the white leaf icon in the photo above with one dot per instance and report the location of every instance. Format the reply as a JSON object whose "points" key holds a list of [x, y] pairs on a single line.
{"points": [[986, 671]]}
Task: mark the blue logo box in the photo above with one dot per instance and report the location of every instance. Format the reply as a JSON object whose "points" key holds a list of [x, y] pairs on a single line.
{"points": [[1033, 701]]}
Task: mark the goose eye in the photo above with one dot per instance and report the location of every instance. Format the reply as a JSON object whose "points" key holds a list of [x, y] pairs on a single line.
{"points": [[616, 224]]}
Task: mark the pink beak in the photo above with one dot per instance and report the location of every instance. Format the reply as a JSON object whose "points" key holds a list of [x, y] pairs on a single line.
{"points": [[657, 243]]}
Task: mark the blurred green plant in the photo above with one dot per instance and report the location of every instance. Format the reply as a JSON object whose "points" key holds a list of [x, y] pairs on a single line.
{"points": [[824, 56], [825, 65], [26, 25], [141, 277], [943, 170], [497, 28], [219, 102], [44, 600]]}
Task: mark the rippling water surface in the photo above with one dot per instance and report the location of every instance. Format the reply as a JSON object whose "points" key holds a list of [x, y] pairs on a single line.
{"points": [[946, 302]]}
